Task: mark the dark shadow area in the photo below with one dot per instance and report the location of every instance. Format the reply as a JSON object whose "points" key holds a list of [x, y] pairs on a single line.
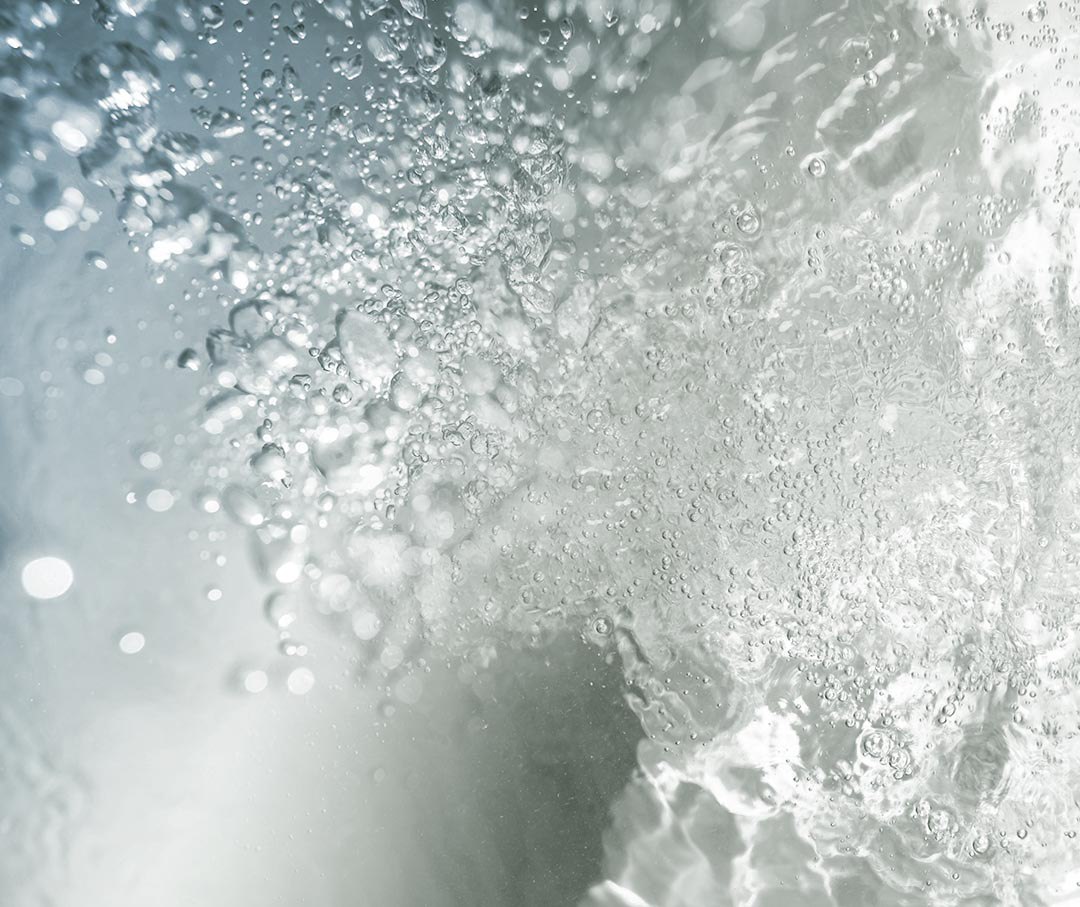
{"points": [[518, 784]]}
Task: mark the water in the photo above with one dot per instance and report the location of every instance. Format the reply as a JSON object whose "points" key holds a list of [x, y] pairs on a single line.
{"points": [[730, 347]]}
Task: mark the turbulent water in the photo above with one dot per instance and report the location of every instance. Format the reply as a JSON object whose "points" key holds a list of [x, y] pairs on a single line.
{"points": [[739, 339]]}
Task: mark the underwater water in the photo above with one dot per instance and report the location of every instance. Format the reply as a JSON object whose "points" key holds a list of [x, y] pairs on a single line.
{"points": [[605, 453]]}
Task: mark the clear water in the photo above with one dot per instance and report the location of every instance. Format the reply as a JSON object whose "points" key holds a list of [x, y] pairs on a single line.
{"points": [[667, 411]]}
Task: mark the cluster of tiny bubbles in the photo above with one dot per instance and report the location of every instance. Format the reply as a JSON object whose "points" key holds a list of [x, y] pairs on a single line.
{"points": [[734, 338]]}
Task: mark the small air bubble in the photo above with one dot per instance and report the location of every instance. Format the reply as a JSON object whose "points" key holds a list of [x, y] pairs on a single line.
{"points": [[132, 643]]}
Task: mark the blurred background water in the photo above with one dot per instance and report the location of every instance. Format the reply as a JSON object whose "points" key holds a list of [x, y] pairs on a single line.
{"points": [[594, 452]]}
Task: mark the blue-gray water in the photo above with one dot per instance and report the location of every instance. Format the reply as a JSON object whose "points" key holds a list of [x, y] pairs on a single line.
{"points": [[605, 452]]}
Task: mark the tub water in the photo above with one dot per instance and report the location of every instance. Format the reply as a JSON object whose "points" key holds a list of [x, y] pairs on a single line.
{"points": [[604, 453]]}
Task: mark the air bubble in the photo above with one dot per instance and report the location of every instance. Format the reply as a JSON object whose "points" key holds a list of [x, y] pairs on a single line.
{"points": [[748, 222], [47, 577], [132, 643]]}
